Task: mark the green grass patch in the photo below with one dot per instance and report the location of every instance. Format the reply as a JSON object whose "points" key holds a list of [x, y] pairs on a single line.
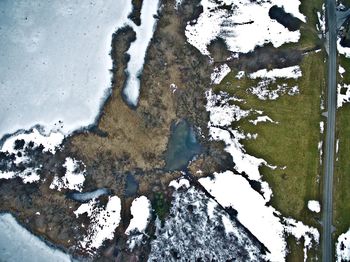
{"points": [[342, 166], [292, 142]]}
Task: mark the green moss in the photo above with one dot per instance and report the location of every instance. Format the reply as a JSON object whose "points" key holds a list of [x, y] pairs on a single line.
{"points": [[160, 205]]}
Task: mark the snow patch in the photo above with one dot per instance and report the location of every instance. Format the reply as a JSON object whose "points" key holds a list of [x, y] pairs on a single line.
{"points": [[72, 179], [103, 222], [219, 74], [341, 71], [266, 223], [314, 206], [292, 72], [141, 213], [343, 50], [19, 145], [343, 247], [262, 119], [343, 95], [236, 26]]}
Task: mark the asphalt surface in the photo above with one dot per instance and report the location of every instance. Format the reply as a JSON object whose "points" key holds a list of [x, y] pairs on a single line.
{"points": [[327, 215]]}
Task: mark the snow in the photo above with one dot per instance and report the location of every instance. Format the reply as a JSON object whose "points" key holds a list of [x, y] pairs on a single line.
{"points": [[182, 182], [103, 222], [343, 247], [231, 190], [343, 50], [341, 71], [314, 206], [219, 74], [262, 119], [321, 26], [343, 98], [140, 211], [191, 232], [72, 179], [50, 143], [292, 72], [236, 26], [267, 78], [320, 146], [262, 220], [263, 92], [321, 127], [141, 214], [137, 50], [240, 75], [55, 62], [224, 113], [18, 244]]}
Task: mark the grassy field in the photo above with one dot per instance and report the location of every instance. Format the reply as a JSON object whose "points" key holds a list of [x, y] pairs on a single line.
{"points": [[293, 142], [342, 166]]}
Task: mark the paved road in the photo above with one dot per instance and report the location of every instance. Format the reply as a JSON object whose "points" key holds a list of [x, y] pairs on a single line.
{"points": [[327, 245]]}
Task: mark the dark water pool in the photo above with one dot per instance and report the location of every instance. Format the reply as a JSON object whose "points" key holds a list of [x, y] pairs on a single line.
{"points": [[182, 147]]}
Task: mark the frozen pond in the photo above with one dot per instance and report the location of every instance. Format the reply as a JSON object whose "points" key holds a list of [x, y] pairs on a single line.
{"points": [[55, 61], [138, 49], [17, 244]]}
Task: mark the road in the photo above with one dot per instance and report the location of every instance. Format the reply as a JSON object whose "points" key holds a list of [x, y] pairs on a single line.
{"points": [[327, 245]]}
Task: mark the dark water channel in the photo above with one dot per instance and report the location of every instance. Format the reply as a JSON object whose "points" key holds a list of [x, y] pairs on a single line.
{"points": [[182, 147]]}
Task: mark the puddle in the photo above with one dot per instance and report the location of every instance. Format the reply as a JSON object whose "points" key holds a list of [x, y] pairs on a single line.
{"points": [[131, 185], [87, 196], [182, 147]]}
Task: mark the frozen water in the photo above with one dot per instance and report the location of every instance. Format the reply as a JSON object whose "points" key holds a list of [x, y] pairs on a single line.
{"points": [[55, 61]]}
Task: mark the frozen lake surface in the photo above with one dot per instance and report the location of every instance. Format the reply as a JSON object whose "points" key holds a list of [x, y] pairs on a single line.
{"points": [[18, 244], [55, 61]]}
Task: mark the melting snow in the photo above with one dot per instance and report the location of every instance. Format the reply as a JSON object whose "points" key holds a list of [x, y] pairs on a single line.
{"points": [[343, 50], [18, 146], [219, 74], [72, 179], [240, 74], [314, 206], [343, 247], [341, 71], [236, 26], [137, 50], [262, 119], [343, 95], [265, 222], [198, 228], [103, 222]]}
